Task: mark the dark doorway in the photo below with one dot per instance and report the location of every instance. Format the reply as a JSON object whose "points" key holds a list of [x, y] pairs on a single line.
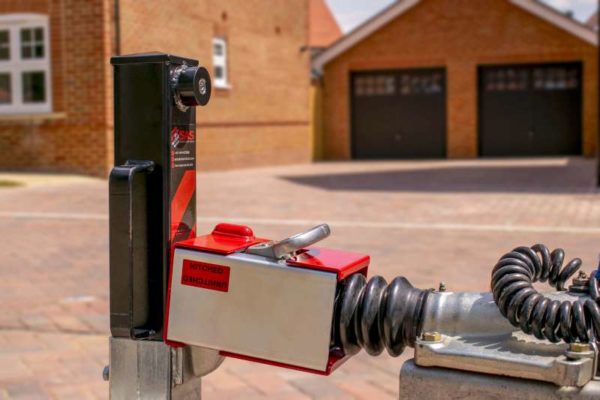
{"points": [[530, 110], [399, 114]]}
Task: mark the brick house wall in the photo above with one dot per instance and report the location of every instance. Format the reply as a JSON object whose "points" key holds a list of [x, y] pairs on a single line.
{"points": [[460, 35], [73, 137], [262, 119]]}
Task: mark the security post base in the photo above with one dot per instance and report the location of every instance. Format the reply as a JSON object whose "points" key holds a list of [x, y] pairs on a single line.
{"points": [[144, 369]]}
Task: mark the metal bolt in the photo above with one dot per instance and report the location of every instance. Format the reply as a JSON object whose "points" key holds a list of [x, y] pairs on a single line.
{"points": [[432, 337], [577, 347], [106, 373], [580, 283], [202, 86], [442, 287]]}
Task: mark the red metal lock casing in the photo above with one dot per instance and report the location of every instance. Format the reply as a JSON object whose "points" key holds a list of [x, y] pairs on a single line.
{"points": [[240, 300]]}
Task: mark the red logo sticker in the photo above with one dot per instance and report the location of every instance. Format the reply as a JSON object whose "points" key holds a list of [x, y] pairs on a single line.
{"points": [[181, 136], [205, 275]]}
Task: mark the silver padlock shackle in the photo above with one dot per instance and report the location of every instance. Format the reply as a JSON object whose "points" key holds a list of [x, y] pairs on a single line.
{"points": [[287, 248]]}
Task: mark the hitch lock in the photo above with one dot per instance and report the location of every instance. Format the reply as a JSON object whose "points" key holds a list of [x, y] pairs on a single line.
{"points": [[257, 299]]}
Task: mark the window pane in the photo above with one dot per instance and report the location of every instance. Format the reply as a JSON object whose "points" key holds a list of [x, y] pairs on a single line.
{"points": [[5, 93], [557, 78], [218, 49], [4, 45], [34, 89], [219, 72], [25, 35], [32, 43], [39, 34]]}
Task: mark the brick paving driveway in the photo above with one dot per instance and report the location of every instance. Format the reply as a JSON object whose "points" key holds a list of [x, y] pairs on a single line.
{"points": [[430, 221]]}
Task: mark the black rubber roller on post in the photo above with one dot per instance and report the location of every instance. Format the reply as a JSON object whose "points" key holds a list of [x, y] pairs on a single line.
{"points": [[193, 86]]}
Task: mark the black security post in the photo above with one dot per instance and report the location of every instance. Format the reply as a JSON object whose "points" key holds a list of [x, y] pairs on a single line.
{"points": [[152, 205]]}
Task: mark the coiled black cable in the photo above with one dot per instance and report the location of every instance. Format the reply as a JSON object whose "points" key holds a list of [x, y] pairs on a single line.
{"points": [[376, 315], [554, 320]]}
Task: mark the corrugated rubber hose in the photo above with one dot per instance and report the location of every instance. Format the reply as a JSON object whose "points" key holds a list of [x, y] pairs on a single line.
{"points": [[374, 315]]}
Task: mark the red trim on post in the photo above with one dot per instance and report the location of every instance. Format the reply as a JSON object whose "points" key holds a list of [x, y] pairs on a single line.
{"points": [[181, 199]]}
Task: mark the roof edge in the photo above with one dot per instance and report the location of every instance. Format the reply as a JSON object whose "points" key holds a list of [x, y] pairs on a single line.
{"points": [[359, 33], [388, 14], [556, 18]]}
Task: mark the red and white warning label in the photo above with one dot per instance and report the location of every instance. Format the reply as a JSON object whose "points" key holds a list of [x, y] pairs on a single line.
{"points": [[205, 275]]}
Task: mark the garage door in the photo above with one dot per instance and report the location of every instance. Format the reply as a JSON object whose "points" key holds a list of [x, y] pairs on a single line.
{"points": [[399, 114], [530, 110]]}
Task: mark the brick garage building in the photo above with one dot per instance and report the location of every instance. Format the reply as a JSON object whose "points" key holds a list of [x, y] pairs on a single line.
{"points": [[461, 78], [56, 80]]}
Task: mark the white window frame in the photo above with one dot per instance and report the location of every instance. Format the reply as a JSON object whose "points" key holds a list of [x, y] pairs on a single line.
{"points": [[220, 61], [16, 66]]}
